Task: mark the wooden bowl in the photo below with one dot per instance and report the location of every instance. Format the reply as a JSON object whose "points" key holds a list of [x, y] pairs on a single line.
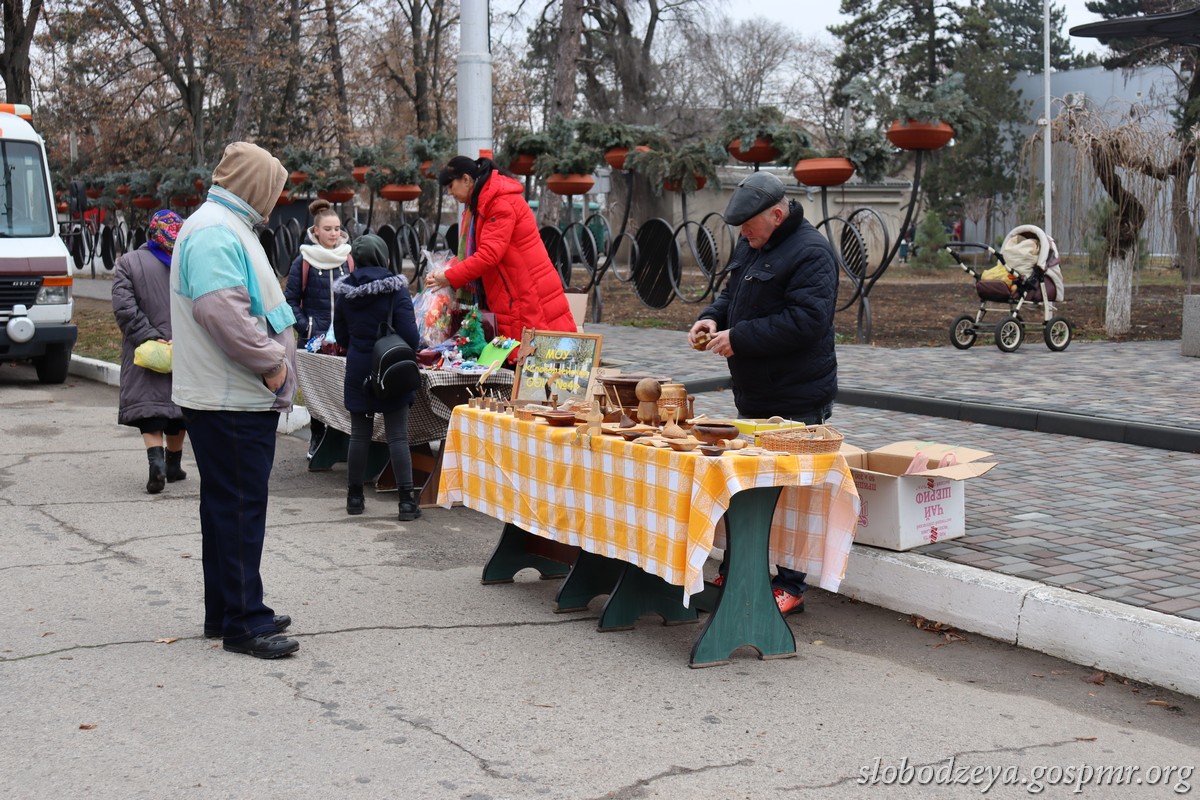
{"points": [[683, 445], [557, 419], [713, 432], [630, 435], [711, 449]]}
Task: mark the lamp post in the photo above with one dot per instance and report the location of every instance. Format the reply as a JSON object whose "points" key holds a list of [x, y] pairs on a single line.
{"points": [[1046, 222]]}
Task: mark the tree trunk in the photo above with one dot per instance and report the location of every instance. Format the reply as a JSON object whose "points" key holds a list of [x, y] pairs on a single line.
{"points": [[562, 99], [1120, 292], [247, 83], [19, 29], [1185, 227], [339, 81]]}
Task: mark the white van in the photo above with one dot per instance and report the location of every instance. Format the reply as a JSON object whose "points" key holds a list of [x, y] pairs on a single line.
{"points": [[35, 271]]}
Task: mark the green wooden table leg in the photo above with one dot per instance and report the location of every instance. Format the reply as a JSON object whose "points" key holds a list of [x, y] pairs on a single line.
{"points": [[332, 450], [592, 575], [518, 549], [637, 593], [746, 613]]}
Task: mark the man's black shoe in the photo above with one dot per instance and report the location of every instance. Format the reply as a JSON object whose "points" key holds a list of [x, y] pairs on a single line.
{"points": [[282, 623], [269, 645]]}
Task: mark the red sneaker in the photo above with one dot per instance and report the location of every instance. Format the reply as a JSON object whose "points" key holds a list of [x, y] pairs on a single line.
{"points": [[788, 602]]}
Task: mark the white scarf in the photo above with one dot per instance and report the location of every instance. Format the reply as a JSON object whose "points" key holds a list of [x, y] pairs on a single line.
{"points": [[325, 258]]}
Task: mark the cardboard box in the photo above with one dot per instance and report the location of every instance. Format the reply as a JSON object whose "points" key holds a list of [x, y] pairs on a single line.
{"points": [[900, 512], [750, 428]]}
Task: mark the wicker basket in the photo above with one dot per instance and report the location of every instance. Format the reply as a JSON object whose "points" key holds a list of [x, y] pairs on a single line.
{"points": [[808, 440]]}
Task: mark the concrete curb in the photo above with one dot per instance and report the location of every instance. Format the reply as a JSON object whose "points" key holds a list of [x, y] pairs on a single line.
{"points": [[1107, 429], [1114, 637], [93, 369]]}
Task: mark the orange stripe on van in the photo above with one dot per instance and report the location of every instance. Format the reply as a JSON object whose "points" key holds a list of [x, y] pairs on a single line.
{"points": [[20, 109], [58, 280]]}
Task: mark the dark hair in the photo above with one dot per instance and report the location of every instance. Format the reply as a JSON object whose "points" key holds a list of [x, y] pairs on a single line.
{"points": [[480, 169]]}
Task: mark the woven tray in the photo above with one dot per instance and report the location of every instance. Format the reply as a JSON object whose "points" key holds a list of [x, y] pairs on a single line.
{"points": [[808, 440]]}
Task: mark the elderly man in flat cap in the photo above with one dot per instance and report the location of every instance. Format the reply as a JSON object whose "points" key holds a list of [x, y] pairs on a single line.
{"points": [[774, 322], [234, 371]]}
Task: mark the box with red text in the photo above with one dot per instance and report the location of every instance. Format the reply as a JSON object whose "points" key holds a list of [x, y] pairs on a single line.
{"points": [[901, 511]]}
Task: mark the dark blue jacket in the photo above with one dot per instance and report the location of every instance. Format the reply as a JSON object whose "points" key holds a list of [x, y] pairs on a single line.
{"points": [[778, 304], [312, 306], [363, 299]]}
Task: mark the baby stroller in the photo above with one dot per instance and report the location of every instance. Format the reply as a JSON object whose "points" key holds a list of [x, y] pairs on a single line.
{"points": [[1027, 277]]}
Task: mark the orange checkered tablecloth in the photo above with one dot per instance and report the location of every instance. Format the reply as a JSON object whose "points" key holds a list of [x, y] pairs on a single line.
{"points": [[649, 506]]}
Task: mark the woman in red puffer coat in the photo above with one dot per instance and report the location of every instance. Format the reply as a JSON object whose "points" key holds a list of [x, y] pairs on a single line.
{"points": [[500, 246]]}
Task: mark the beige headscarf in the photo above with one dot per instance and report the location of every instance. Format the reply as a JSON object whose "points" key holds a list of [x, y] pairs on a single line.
{"points": [[253, 174]]}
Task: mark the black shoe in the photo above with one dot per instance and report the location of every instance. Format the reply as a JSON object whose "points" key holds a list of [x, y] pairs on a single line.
{"points": [[269, 645], [158, 470], [408, 508], [174, 469], [354, 500], [282, 623]]}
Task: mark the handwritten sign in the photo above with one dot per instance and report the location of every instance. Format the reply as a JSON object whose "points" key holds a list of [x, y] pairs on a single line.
{"points": [[555, 364]]}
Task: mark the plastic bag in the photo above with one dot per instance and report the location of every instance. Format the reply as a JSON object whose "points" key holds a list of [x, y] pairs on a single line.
{"points": [[153, 355], [435, 311]]}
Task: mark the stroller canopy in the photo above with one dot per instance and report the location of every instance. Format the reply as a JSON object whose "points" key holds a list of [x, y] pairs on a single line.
{"points": [[1028, 246]]}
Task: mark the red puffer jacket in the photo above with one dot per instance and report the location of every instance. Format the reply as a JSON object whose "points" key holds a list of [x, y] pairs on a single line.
{"points": [[522, 287]]}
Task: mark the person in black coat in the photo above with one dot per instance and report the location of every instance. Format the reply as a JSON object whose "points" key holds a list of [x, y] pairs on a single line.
{"points": [[324, 258], [774, 322], [365, 298]]}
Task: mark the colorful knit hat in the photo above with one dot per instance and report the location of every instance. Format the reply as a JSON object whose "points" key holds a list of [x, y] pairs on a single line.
{"points": [[164, 227]]}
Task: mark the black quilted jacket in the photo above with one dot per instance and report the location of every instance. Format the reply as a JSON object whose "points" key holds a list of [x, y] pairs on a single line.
{"points": [[778, 304]]}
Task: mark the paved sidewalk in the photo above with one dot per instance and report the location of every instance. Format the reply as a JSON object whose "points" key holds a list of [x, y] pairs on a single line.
{"points": [[1099, 534]]}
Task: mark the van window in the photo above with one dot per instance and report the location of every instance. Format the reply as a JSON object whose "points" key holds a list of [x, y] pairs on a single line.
{"points": [[24, 195]]}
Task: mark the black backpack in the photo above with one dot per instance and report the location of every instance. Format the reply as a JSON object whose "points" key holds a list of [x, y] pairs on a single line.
{"points": [[394, 370]]}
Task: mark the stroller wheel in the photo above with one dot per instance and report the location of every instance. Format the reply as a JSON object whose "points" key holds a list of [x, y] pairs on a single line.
{"points": [[1058, 334], [962, 332], [1009, 335]]}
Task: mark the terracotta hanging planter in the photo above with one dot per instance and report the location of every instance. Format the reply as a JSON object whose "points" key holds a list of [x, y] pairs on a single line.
{"points": [[360, 173], [760, 151], [284, 198], [914, 135], [672, 186], [298, 177], [400, 191], [823, 171], [145, 201], [570, 184], [93, 194], [198, 185], [62, 207], [336, 195], [123, 189], [185, 200], [615, 156], [426, 170], [522, 164]]}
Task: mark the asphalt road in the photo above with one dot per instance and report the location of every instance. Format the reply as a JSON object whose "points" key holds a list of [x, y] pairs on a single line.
{"points": [[415, 681]]}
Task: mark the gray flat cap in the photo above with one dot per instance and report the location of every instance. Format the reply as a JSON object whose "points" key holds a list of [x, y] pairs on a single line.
{"points": [[754, 195]]}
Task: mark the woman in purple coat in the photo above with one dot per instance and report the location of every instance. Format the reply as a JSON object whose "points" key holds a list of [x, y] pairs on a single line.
{"points": [[365, 298], [141, 299]]}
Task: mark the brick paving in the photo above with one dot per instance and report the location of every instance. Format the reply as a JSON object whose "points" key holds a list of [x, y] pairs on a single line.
{"points": [[1116, 521]]}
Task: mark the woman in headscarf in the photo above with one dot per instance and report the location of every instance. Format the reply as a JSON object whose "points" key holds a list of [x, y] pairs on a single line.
{"points": [[141, 301], [369, 296], [499, 245]]}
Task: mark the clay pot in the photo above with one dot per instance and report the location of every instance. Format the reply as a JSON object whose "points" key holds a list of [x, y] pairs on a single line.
{"points": [[823, 171], [145, 201], [400, 191], [570, 184], [337, 195], [123, 189], [913, 135], [185, 200], [93, 194], [198, 185], [62, 207], [522, 164], [298, 177], [759, 152], [672, 186], [426, 170], [360, 173]]}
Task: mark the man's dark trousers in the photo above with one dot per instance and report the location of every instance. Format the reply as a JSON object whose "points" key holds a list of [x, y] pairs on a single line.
{"points": [[234, 452]]}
